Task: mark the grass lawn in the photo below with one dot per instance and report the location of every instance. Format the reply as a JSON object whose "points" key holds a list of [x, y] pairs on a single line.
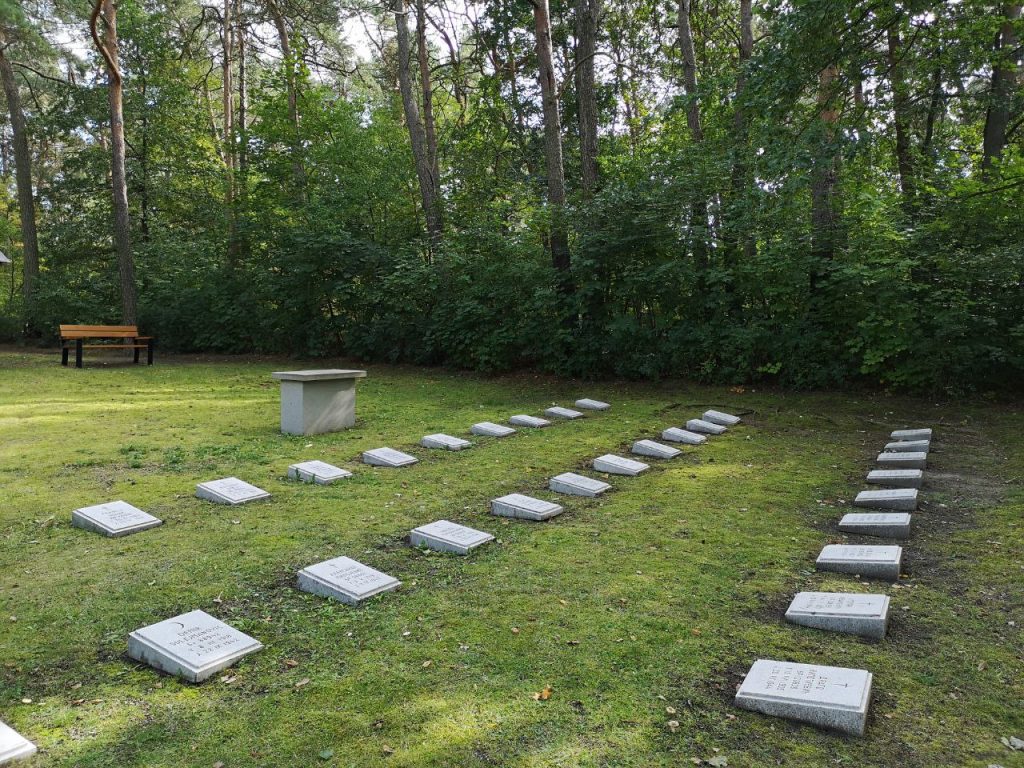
{"points": [[641, 608]]}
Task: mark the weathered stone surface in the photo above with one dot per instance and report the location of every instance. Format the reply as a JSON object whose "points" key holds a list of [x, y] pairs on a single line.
{"points": [[654, 449], [889, 525], [388, 457], [447, 442], [524, 507], [907, 446], [446, 536], [685, 436], [557, 412], [319, 472], [912, 434], [490, 429], [577, 485], [618, 465], [592, 405], [115, 518], [345, 579], [522, 420], [705, 427], [897, 478], [900, 460], [881, 562], [14, 746], [718, 417], [230, 490], [845, 612], [193, 646], [314, 402], [903, 499], [835, 698]]}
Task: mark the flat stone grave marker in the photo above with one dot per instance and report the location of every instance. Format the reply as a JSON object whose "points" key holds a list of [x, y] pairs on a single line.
{"points": [[388, 457], [592, 405], [115, 518], [230, 490], [836, 698], [446, 536], [677, 435], [14, 746], [907, 446], [656, 450], [619, 465], [577, 485], [319, 472], [490, 429], [193, 646], [447, 442], [902, 499], [524, 507], [882, 562], [558, 412], [345, 579], [719, 417], [522, 420], [912, 434], [845, 612], [898, 478], [706, 427], [900, 460], [888, 525]]}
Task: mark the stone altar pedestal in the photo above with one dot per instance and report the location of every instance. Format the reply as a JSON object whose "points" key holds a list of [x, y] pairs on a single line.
{"points": [[313, 402]]}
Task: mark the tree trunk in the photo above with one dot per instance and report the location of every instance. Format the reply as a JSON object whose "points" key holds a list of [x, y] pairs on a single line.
{"points": [[107, 45], [740, 170], [552, 139], [824, 218], [429, 125], [699, 207], [23, 178], [291, 86], [417, 134], [588, 13], [227, 94], [900, 98], [1004, 80]]}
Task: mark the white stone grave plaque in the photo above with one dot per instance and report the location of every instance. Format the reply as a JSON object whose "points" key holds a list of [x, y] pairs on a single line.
{"points": [[902, 499], [319, 472], [388, 457], [345, 579], [685, 436], [490, 429], [724, 419], [14, 746], [618, 465], [901, 460], [882, 562], [522, 420], [446, 442], [446, 536], [912, 434], [908, 446], [897, 478], [230, 490], [193, 646], [557, 412], [836, 698], [888, 525], [524, 507], [656, 450], [845, 612], [705, 427], [577, 485], [592, 405], [115, 518]]}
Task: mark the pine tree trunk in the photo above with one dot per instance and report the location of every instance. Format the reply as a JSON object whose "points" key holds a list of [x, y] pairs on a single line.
{"points": [[824, 217], [699, 207], [740, 180], [587, 15], [427, 88], [900, 97], [1004, 80], [291, 87]]}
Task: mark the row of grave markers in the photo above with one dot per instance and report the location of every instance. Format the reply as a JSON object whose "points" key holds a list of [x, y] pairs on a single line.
{"points": [[837, 698], [195, 646]]}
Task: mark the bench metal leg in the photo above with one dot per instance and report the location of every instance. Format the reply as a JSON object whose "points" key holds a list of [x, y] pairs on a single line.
{"points": [[78, 354], [64, 355], [149, 352], [136, 355]]}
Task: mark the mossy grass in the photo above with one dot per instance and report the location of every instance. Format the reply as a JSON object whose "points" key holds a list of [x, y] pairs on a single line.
{"points": [[640, 610]]}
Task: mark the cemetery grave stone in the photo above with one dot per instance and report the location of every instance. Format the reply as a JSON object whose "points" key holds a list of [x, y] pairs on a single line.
{"points": [[490, 429], [906, 446], [889, 525], [724, 419], [14, 746], [845, 612], [654, 449], [114, 518], [319, 472], [592, 405], [912, 434], [446, 536], [577, 485], [705, 427], [880, 562], [618, 465], [897, 478], [314, 402], [522, 420], [231, 491], [557, 412], [193, 646], [345, 579], [447, 442], [902, 499], [524, 507], [901, 460], [685, 436], [388, 457]]}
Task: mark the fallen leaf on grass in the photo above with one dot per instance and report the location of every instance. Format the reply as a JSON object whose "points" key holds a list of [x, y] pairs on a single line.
{"points": [[427, 663], [719, 761], [387, 750], [302, 682], [543, 695], [327, 754], [515, 630]]}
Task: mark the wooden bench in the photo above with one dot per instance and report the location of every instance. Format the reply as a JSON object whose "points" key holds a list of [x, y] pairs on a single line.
{"points": [[116, 336]]}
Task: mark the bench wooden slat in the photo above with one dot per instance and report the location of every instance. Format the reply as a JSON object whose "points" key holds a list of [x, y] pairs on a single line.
{"points": [[115, 346], [74, 335], [124, 328]]}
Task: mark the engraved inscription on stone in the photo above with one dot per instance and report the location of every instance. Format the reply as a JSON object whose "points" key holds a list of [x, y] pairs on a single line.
{"points": [[115, 518], [899, 478], [446, 442], [446, 536], [388, 457], [230, 490], [524, 507], [618, 465], [880, 562], [346, 580], [490, 429], [656, 450], [908, 445], [903, 499], [893, 525], [577, 485], [903, 460], [592, 405], [319, 472], [685, 436], [848, 613], [558, 412]]}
